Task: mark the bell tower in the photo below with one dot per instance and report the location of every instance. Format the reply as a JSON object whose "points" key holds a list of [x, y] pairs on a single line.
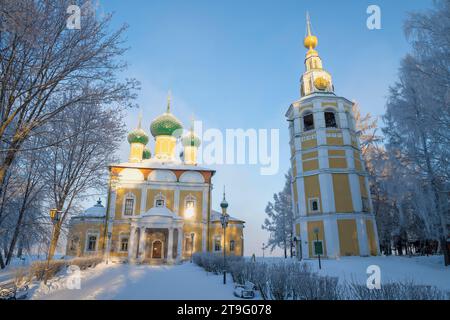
{"points": [[331, 198]]}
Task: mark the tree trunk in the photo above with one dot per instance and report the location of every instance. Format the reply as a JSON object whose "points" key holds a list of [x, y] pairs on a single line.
{"points": [[445, 251], [2, 264]]}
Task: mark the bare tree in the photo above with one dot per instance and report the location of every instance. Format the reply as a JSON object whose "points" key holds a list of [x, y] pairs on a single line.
{"points": [[41, 60], [78, 165]]}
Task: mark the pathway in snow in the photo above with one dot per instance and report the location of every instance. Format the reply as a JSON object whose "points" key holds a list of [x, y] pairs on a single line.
{"points": [[123, 281]]}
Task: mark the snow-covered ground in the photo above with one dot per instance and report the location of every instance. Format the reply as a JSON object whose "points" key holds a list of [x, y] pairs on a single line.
{"points": [[190, 282], [421, 269], [122, 281]]}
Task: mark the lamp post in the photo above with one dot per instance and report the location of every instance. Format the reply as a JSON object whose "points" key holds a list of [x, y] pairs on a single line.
{"points": [[109, 246], [192, 244], [224, 218], [318, 252], [55, 216], [263, 248]]}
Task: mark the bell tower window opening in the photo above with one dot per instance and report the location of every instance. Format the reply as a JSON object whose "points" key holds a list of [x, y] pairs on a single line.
{"points": [[308, 122], [330, 119]]}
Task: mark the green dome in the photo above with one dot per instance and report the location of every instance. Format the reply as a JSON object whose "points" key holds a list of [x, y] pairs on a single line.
{"points": [[166, 125], [146, 154], [224, 204], [138, 136], [191, 139]]}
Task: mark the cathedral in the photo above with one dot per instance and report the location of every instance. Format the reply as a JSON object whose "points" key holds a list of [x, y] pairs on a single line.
{"points": [[332, 207], [159, 207]]}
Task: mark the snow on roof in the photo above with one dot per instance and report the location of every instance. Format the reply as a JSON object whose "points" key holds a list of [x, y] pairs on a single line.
{"points": [[97, 211], [215, 216], [161, 212], [158, 164]]}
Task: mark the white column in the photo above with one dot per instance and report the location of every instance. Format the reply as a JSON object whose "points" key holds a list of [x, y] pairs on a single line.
{"points": [[131, 245], [204, 237], [355, 192], [176, 201], [331, 237], [362, 237], [301, 196], [142, 245], [143, 199], [304, 239], [180, 244], [170, 245], [327, 193]]}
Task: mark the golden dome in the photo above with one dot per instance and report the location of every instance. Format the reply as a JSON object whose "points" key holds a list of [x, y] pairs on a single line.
{"points": [[310, 42], [321, 83]]}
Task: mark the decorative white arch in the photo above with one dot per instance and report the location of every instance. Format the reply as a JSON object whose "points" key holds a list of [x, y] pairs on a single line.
{"points": [[131, 174], [162, 176], [192, 177]]}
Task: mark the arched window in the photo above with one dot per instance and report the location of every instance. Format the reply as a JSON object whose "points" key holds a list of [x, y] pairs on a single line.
{"points": [[232, 245], [189, 206], [129, 202], [160, 201], [217, 243], [308, 121], [330, 119]]}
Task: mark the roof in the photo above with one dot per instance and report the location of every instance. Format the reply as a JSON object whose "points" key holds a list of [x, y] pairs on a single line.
{"points": [[160, 212], [158, 164], [215, 216], [96, 211]]}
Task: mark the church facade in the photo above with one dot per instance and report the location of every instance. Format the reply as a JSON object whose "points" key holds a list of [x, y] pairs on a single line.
{"points": [[159, 207], [331, 199]]}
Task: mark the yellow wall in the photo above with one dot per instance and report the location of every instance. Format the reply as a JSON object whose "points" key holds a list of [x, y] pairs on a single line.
{"points": [[312, 143], [348, 237], [310, 165], [297, 229], [357, 160], [312, 190], [371, 237], [337, 163], [152, 193], [190, 155], [310, 155], [233, 233], [79, 230], [119, 229], [165, 146], [120, 197], [342, 193], [198, 205], [312, 236], [136, 151], [198, 238]]}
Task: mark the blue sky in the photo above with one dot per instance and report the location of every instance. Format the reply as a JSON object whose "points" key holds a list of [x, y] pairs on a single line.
{"points": [[236, 64]]}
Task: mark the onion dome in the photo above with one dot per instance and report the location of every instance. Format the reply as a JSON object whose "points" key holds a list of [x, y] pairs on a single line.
{"points": [[166, 124], [190, 140], [138, 135], [97, 211], [224, 203], [146, 154]]}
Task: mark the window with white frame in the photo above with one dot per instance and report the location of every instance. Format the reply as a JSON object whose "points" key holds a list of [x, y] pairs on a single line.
{"points": [[189, 206], [123, 244], [314, 205], [91, 242], [129, 203], [308, 121], [160, 201], [217, 243]]}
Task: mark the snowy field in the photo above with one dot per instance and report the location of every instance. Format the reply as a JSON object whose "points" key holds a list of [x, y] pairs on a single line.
{"points": [[122, 281], [422, 270], [190, 282]]}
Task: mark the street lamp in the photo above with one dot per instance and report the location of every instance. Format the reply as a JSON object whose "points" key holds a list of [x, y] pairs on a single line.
{"points": [[224, 218], [55, 217], [318, 246], [192, 244], [263, 248]]}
